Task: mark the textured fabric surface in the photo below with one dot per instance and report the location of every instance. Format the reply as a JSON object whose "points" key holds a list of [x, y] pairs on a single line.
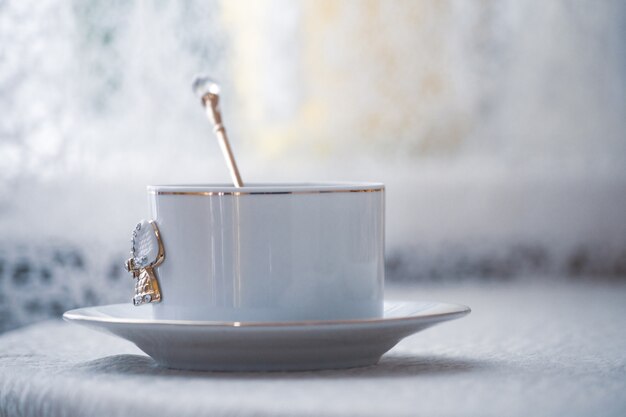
{"points": [[527, 349]]}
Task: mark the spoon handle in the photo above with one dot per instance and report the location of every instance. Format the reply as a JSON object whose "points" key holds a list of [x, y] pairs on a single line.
{"points": [[222, 139], [209, 93]]}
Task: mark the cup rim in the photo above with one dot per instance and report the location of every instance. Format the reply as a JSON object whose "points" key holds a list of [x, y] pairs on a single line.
{"points": [[266, 188]]}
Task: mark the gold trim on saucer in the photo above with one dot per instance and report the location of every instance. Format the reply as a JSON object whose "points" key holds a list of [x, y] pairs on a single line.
{"points": [[454, 311]]}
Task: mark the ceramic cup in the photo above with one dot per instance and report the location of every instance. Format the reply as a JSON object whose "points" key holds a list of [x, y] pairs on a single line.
{"points": [[270, 252]]}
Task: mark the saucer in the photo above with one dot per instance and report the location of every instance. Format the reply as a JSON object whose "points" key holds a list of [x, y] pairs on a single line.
{"points": [[261, 346]]}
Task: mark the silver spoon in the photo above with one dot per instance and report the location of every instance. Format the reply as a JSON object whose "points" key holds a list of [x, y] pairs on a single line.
{"points": [[209, 92]]}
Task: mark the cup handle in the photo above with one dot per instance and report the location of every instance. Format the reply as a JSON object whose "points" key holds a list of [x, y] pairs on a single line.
{"points": [[146, 241]]}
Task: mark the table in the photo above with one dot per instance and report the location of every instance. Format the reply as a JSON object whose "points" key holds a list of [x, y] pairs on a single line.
{"points": [[528, 348]]}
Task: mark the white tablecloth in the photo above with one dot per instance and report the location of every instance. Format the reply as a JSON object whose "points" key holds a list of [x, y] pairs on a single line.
{"points": [[527, 349]]}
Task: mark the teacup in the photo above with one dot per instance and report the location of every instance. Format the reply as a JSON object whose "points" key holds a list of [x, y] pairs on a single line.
{"points": [[269, 252]]}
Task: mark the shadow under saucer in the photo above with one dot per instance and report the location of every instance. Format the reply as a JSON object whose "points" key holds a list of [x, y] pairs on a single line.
{"points": [[392, 365]]}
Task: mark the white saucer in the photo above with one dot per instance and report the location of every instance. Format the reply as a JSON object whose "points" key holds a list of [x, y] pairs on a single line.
{"points": [[239, 346]]}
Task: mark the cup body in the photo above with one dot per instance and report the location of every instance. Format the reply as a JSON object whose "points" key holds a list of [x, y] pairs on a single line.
{"points": [[270, 252]]}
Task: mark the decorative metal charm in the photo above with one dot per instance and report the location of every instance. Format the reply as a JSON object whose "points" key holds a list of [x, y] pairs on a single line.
{"points": [[146, 254]]}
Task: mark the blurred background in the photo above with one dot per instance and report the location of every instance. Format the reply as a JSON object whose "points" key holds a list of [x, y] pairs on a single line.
{"points": [[498, 127]]}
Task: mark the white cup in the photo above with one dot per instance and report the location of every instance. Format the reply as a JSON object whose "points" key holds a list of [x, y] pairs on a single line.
{"points": [[270, 252]]}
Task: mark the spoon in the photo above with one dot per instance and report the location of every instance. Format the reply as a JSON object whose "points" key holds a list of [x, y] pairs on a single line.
{"points": [[209, 92]]}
